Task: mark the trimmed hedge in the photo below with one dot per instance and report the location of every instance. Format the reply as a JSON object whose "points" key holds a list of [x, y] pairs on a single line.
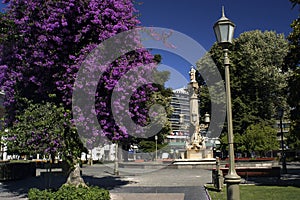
{"points": [[70, 192], [16, 170]]}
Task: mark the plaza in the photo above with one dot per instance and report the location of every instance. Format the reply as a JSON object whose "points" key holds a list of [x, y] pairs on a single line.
{"points": [[130, 184], [140, 183]]}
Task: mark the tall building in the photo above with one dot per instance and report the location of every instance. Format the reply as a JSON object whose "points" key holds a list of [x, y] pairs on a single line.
{"points": [[180, 118]]}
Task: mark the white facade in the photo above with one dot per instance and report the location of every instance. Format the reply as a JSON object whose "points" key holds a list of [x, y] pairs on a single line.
{"points": [[105, 153]]}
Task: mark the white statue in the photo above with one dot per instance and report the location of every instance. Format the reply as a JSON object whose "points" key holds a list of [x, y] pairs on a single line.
{"points": [[197, 139], [192, 74]]}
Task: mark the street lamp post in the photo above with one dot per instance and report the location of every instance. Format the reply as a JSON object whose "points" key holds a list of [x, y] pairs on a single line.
{"points": [[280, 115], [206, 118], [204, 126], [116, 163], [156, 138], [224, 30]]}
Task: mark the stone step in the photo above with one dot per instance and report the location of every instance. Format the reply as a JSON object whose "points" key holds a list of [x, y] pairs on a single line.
{"points": [[148, 196]]}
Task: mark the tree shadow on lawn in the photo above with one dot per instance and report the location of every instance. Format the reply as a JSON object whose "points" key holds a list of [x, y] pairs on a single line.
{"points": [[286, 180], [20, 188]]}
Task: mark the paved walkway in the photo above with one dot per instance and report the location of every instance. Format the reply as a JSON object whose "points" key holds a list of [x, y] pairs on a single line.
{"points": [[136, 184], [165, 184], [150, 184]]}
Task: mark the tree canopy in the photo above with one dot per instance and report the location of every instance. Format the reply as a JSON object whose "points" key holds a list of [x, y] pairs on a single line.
{"points": [[44, 129], [292, 63], [258, 86], [257, 81], [52, 40], [260, 138]]}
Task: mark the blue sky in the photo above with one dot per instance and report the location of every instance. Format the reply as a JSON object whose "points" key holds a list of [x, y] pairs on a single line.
{"points": [[195, 18]]}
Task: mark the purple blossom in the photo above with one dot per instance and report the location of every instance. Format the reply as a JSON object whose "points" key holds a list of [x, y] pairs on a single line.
{"points": [[56, 38]]}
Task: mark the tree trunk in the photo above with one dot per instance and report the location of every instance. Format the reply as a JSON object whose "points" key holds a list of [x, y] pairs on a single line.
{"points": [[75, 178], [125, 148]]}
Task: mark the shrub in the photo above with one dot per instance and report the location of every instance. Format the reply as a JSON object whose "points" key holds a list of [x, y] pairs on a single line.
{"points": [[70, 192]]}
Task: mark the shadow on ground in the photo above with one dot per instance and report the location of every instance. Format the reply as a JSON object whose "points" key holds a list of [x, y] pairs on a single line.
{"points": [[273, 181], [54, 181]]}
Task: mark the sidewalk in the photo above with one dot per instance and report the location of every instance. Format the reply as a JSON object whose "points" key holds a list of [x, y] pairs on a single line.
{"points": [[132, 183], [165, 184]]}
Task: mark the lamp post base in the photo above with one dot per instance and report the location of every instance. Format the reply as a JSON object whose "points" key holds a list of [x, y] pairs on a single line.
{"points": [[116, 173], [232, 184], [284, 169]]}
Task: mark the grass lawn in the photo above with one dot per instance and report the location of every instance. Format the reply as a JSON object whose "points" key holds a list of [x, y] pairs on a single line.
{"points": [[251, 192]]}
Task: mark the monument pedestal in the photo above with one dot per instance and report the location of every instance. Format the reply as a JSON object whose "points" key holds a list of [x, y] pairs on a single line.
{"points": [[194, 154], [198, 154]]}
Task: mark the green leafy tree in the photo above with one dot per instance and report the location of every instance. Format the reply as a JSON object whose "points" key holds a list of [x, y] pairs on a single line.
{"points": [[257, 81], [45, 129], [212, 91], [150, 147], [239, 144], [295, 2], [292, 63], [260, 138]]}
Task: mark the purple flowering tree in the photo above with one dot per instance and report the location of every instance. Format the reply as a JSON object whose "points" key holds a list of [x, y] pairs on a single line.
{"points": [[52, 40], [45, 46]]}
